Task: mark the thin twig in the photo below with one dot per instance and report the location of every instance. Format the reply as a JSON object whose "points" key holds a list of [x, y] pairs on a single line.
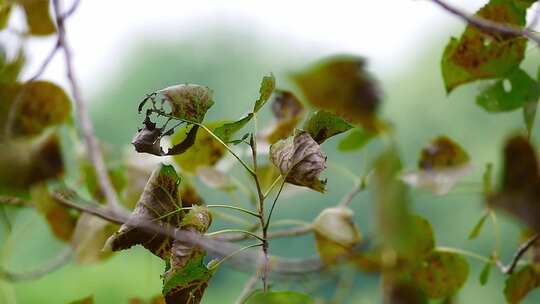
{"points": [[509, 269], [347, 199], [488, 25], [13, 201], [90, 140], [46, 62]]}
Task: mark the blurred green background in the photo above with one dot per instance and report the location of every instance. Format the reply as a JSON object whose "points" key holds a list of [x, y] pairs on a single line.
{"points": [[232, 64]]}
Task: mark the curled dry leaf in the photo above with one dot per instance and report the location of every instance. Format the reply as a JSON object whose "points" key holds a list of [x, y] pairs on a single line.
{"points": [[159, 203], [188, 101], [442, 163], [342, 86], [520, 190], [288, 112], [300, 159], [335, 233], [478, 54]]}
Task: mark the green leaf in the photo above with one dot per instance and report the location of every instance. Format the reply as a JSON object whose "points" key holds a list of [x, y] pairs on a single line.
{"points": [[513, 92], [288, 112], [356, 139], [279, 297], [300, 159], [478, 227], [342, 86], [335, 233], [268, 84], [227, 130], [186, 276], [205, 152], [188, 101], [159, 203], [28, 162], [442, 163], [484, 55], [38, 18], [41, 104], [484, 275], [519, 194], [322, 125], [11, 70], [441, 274], [60, 220], [520, 283]]}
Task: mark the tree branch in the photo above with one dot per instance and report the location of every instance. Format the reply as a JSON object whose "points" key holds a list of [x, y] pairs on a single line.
{"points": [[518, 255], [488, 25], [215, 247], [87, 129]]}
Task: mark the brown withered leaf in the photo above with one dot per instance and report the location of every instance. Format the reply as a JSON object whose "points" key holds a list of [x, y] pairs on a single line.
{"points": [[520, 192], [442, 163], [27, 162], [288, 112], [342, 86], [300, 159], [520, 283], [188, 101], [159, 203]]}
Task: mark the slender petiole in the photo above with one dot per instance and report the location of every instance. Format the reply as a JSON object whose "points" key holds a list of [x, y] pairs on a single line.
{"points": [[232, 231]]}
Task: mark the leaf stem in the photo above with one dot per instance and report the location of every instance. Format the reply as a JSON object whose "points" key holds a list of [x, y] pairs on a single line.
{"points": [[273, 206], [232, 231], [234, 208], [466, 253], [237, 251], [274, 183]]}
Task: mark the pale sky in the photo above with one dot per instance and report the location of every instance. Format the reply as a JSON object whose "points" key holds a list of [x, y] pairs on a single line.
{"points": [[385, 31]]}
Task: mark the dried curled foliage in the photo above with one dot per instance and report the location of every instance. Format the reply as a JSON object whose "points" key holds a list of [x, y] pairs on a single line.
{"points": [[300, 159], [159, 203]]}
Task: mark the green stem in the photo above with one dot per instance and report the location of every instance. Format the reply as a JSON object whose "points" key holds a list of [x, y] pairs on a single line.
{"points": [[273, 205], [211, 134], [234, 208], [466, 253], [216, 265], [232, 231], [274, 183], [497, 233]]}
